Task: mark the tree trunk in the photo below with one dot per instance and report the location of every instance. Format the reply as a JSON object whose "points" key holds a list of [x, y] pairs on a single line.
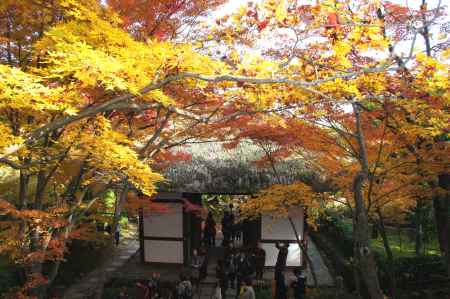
{"points": [[364, 257], [363, 254], [301, 246], [390, 256], [441, 206], [420, 249], [23, 189], [36, 267], [356, 277], [23, 195], [304, 251], [120, 200], [69, 196]]}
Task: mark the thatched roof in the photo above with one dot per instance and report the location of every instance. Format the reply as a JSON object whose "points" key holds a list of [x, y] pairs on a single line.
{"points": [[214, 169]]}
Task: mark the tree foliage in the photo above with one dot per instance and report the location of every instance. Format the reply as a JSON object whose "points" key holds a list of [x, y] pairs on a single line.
{"points": [[94, 95]]}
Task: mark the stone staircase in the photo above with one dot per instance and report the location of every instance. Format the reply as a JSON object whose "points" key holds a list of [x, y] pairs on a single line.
{"points": [[207, 286]]}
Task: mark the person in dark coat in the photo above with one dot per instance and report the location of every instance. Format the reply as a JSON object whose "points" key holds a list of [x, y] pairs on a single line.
{"points": [[237, 227], [243, 269], [154, 286], [282, 255], [197, 262], [280, 284], [299, 284], [117, 234], [222, 277], [227, 226], [210, 231], [260, 260], [230, 264], [231, 268]]}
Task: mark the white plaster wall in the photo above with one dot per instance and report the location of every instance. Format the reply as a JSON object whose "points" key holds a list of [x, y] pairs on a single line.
{"points": [[169, 224], [293, 259], [280, 228], [163, 251]]}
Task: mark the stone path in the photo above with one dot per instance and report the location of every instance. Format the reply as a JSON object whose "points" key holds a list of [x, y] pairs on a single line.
{"points": [[324, 278], [207, 286], [118, 257], [123, 262]]}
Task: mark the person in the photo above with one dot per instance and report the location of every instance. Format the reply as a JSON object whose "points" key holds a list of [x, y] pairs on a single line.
{"points": [[184, 288], [222, 277], [227, 226], [230, 265], [173, 290], [154, 286], [117, 234], [247, 290], [236, 228], [280, 284], [196, 264], [243, 269], [299, 284], [282, 255], [143, 290], [217, 291], [123, 294], [231, 221], [210, 231], [260, 260]]}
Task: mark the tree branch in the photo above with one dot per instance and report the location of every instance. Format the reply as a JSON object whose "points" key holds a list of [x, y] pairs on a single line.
{"points": [[118, 102]]}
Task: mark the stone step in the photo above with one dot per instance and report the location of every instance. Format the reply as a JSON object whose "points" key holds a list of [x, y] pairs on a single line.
{"points": [[209, 280]]}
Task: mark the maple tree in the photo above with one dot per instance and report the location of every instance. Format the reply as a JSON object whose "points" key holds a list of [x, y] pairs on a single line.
{"points": [[377, 153], [161, 18], [63, 176]]}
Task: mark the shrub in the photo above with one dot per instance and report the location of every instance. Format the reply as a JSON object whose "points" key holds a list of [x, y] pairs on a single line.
{"points": [[9, 276], [408, 270], [263, 293]]}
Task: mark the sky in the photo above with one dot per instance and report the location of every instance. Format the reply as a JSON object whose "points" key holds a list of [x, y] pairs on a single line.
{"points": [[401, 48], [234, 4]]}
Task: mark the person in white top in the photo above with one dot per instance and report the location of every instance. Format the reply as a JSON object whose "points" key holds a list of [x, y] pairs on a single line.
{"points": [[217, 292]]}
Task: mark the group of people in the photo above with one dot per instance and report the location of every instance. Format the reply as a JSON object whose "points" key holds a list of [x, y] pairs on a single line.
{"points": [[151, 289], [230, 228], [238, 267]]}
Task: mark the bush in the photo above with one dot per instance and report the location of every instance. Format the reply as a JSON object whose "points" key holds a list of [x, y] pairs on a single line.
{"points": [[408, 270], [9, 276], [83, 257], [123, 221], [263, 293], [340, 232]]}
